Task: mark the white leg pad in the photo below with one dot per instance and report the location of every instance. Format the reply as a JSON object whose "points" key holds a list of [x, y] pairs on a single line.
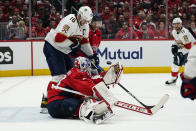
{"points": [[102, 92]]}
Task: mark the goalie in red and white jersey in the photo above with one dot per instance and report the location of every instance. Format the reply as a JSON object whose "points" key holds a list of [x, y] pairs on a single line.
{"points": [[183, 42], [188, 87], [69, 37], [68, 104]]}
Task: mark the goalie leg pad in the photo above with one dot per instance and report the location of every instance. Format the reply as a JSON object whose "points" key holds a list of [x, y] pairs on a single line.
{"points": [[101, 92], [94, 111], [113, 75]]}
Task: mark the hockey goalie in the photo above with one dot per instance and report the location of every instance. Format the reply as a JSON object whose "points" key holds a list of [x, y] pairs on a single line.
{"points": [[81, 95]]}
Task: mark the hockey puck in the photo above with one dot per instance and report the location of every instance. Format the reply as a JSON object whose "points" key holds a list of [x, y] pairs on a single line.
{"points": [[109, 62]]}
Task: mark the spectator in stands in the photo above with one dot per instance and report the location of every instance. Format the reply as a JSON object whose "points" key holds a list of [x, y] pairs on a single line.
{"points": [[57, 18], [112, 27], [6, 9], [184, 8], [127, 17], [24, 12], [175, 11], [120, 21], [146, 4], [193, 26], [125, 32], [160, 33], [95, 34], [119, 11], [145, 32], [105, 15], [126, 7], [52, 25], [21, 31], [185, 20], [52, 12], [138, 19], [193, 9], [12, 25], [137, 7], [192, 17], [3, 17], [150, 23], [155, 7], [39, 31]]}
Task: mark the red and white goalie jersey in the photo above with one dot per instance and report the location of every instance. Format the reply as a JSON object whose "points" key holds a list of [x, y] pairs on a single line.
{"points": [[183, 39], [69, 27], [76, 80]]}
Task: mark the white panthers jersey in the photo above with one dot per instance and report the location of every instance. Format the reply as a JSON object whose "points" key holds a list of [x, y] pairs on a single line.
{"points": [[185, 36], [190, 66], [68, 26]]}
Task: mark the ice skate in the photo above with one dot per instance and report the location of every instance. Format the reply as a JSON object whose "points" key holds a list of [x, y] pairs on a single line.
{"points": [[43, 106], [172, 81]]}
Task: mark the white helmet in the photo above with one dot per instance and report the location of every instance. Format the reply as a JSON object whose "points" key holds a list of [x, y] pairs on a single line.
{"points": [[83, 64], [86, 13], [177, 20]]}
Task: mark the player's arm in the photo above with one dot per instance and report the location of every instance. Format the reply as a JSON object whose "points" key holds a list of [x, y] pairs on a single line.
{"points": [[85, 44], [65, 29]]}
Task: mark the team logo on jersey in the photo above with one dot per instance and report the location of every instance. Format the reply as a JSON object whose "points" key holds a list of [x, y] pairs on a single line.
{"points": [[186, 39], [65, 28]]}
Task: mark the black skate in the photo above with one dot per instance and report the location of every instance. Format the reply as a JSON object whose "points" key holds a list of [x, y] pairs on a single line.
{"points": [[172, 81], [43, 106]]}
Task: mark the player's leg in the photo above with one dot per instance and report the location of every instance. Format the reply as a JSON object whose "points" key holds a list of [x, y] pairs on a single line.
{"points": [[66, 108], [56, 64], [179, 60], [174, 75]]}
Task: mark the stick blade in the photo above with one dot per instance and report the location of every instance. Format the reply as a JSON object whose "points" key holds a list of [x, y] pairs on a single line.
{"points": [[160, 104]]}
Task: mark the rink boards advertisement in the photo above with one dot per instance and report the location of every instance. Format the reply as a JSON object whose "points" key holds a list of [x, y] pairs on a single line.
{"points": [[149, 56]]}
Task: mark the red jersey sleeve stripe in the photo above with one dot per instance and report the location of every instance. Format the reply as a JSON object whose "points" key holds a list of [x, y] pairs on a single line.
{"points": [[60, 37], [84, 41], [188, 45]]}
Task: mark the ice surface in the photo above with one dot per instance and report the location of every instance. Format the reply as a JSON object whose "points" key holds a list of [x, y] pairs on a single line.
{"points": [[20, 99]]}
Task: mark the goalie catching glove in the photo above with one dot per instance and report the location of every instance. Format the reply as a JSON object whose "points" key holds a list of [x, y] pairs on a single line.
{"points": [[113, 75]]}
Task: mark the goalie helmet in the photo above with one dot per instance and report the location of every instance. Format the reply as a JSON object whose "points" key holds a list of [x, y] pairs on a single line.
{"points": [[86, 13], [83, 64]]}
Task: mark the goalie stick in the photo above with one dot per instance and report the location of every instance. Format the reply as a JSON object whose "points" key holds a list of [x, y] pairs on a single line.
{"points": [[143, 110], [144, 105], [125, 105]]}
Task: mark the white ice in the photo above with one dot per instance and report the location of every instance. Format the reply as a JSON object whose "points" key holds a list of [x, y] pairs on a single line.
{"points": [[20, 106]]}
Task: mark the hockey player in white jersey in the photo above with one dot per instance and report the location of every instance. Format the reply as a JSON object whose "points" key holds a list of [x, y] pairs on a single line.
{"points": [[69, 37], [183, 42], [188, 87]]}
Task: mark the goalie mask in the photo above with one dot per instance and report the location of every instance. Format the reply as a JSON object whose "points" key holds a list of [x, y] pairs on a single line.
{"points": [[83, 64]]}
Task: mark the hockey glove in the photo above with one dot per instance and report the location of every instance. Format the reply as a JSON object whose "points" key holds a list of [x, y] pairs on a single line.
{"points": [[174, 49], [180, 59], [75, 38], [94, 59], [188, 88], [74, 49]]}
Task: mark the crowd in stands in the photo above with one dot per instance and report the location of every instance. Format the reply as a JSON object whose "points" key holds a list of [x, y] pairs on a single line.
{"points": [[148, 19]]}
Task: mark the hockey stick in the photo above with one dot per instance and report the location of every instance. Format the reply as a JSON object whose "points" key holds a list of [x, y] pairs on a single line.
{"points": [[143, 110], [146, 106], [125, 105]]}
